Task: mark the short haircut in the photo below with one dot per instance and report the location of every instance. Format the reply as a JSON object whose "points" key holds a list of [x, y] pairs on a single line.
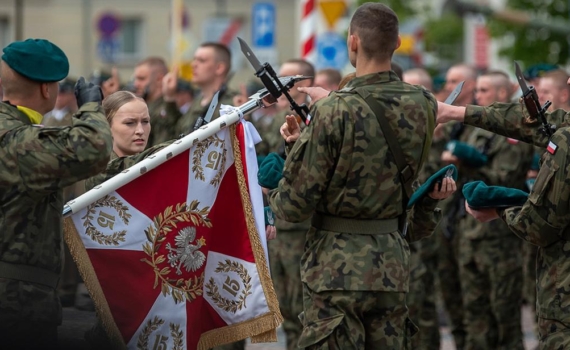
{"points": [[333, 75], [422, 76], [157, 64], [559, 77], [221, 53], [116, 100], [377, 27], [305, 67], [499, 79], [468, 71], [15, 84]]}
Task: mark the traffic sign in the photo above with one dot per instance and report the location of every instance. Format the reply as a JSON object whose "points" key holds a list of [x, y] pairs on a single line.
{"points": [[331, 51], [263, 25]]}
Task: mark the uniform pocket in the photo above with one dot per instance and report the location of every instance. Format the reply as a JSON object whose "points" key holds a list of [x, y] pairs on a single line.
{"points": [[411, 331], [315, 332], [545, 175]]}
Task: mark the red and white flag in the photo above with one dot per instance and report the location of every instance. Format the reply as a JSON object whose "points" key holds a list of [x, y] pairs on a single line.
{"points": [[177, 258]]}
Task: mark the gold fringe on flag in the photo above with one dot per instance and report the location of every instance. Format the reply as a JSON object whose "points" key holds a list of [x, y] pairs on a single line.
{"points": [[263, 327], [81, 258]]}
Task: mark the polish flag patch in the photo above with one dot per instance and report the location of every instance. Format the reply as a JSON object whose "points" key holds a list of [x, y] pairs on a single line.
{"points": [[552, 147], [512, 141]]}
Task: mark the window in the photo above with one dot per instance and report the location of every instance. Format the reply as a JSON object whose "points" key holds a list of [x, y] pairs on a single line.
{"points": [[130, 39]]}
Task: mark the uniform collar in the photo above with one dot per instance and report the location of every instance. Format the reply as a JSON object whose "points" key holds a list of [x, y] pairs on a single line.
{"points": [[373, 78]]}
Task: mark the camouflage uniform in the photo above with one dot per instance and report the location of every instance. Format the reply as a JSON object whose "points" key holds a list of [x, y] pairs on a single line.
{"points": [[67, 288], [355, 263], [162, 124], [35, 165], [490, 260], [186, 124], [544, 218]]}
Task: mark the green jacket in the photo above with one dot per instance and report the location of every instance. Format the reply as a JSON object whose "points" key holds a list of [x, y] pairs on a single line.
{"points": [[341, 167], [36, 163], [544, 220]]}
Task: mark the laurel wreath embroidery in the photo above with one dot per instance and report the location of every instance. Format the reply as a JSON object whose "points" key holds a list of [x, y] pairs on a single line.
{"points": [[96, 235], [201, 148], [163, 224], [224, 303], [152, 325]]}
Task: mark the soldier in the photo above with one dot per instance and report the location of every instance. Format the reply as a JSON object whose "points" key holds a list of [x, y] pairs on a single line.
{"points": [[211, 68], [421, 299], [543, 219], [490, 259], [328, 79], [355, 264], [184, 95], [552, 87], [35, 165], [65, 105]]}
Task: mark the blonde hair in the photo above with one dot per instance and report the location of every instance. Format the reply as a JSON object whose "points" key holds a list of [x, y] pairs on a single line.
{"points": [[116, 100]]}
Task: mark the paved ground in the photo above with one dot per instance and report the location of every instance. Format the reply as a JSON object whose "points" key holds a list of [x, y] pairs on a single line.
{"points": [[76, 322]]}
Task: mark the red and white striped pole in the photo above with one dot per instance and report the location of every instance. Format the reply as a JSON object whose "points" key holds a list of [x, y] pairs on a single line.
{"points": [[308, 30]]}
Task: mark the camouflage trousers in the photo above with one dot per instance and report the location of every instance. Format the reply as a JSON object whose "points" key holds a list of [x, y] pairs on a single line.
{"points": [[553, 335], [285, 261], [421, 299], [355, 320], [448, 271], [491, 281]]}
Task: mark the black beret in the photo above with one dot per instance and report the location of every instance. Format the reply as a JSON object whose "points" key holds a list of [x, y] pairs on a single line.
{"points": [[37, 59], [183, 85], [67, 85]]}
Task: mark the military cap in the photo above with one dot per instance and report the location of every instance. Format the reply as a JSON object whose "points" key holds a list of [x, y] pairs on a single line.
{"points": [[184, 85], [479, 195], [467, 153], [270, 171], [538, 70], [67, 85], [99, 76], [429, 185], [37, 59]]}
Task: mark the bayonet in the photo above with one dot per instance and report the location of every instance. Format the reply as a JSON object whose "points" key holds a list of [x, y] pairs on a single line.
{"points": [[209, 114], [453, 95], [532, 103]]}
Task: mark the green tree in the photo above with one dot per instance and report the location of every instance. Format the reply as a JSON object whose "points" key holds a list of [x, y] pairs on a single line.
{"points": [[541, 40], [403, 8]]}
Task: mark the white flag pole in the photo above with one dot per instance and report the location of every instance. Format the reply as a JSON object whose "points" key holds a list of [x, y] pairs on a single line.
{"points": [[234, 115]]}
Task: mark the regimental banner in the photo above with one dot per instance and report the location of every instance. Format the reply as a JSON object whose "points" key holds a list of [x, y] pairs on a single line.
{"points": [[174, 259]]}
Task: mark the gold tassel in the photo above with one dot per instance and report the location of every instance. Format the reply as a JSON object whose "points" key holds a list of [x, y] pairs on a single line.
{"points": [[87, 272]]}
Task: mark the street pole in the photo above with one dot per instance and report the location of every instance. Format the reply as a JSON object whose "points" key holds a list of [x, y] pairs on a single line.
{"points": [[19, 19]]}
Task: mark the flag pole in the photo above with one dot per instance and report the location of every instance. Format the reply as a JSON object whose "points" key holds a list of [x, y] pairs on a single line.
{"points": [[256, 101], [176, 32]]}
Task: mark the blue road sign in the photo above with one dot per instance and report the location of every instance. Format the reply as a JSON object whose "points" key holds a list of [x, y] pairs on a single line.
{"points": [[263, 25], [331, 51]]}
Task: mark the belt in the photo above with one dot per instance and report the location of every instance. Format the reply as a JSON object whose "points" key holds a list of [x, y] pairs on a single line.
{"points": [[356, 226], [28, 273]]}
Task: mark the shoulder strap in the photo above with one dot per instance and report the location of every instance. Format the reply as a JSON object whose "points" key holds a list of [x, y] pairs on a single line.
{"points": [[406, 173]]}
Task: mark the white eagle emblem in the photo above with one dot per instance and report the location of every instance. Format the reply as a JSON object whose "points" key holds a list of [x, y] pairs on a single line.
{"points": [[185, 252]]}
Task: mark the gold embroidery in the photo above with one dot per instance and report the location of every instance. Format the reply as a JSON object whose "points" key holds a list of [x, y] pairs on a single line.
{"points": [[106, 220], [163, 224], [201, 148], [160, 340], [231, 286]]}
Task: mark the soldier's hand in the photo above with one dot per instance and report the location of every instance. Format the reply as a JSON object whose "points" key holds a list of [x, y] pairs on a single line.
{"points": [[448, 187], [169, 83], [112, 84], [446, 113], [240, 98], [448, 158], [315, 93], [270, 232], [290, 130], [87, 92], [483, 215]]}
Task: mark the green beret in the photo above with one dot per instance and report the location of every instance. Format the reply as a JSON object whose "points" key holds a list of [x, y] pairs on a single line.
{"points": [[270, 171], [37, 59], [479, 195], [429, 185], [538, 70], [269, 216], [467, 154]]}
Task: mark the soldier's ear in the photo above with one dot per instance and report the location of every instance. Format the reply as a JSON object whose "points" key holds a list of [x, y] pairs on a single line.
{"points": [[399, 42], [45, 90]]}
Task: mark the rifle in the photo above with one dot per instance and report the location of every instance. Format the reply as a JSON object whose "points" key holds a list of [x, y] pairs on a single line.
{"points": [[533, 106]]}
